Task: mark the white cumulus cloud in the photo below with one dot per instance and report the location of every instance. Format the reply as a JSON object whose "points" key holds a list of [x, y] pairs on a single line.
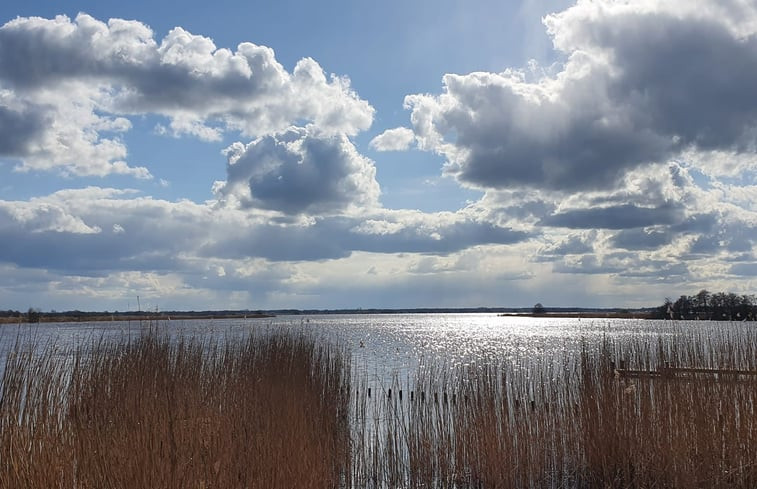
{"points": [[642, 82], [67, 88], [298, 172], [397, 139]]}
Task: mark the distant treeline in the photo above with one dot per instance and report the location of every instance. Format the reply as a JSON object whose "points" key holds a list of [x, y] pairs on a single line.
{"points": [[719, 306], [34, 315]]}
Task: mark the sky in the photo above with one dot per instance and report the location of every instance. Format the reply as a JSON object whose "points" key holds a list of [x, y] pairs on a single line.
{"points": [[347, 154]]}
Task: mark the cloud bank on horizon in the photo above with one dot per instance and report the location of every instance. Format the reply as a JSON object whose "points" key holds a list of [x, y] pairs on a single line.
{"points": [[623, 172]]}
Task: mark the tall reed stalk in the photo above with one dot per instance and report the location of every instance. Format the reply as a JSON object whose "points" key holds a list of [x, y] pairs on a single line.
{"points": [[157, 412], [283, 410], [572, 422]]}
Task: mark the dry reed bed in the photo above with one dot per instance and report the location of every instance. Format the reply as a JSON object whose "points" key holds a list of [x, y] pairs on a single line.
{"points": [[569, 422], [283, 411], [159, 413]]}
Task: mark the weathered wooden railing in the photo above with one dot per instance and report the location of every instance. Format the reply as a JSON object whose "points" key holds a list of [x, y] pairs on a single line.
{"points": [[668, 371]]}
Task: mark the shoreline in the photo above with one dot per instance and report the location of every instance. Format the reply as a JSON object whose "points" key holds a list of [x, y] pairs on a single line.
{"points": [[104, 318], [210, 315]]}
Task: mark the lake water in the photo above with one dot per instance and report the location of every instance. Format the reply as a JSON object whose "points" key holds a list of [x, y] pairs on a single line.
{"points": [[382, 345]]}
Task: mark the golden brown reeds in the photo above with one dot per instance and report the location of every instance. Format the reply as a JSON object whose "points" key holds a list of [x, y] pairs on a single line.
{"points": [[570, 422], [157, 412], [275, 411]]}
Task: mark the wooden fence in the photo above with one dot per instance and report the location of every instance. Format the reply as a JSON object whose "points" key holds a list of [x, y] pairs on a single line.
{"points": [[668, 371]]}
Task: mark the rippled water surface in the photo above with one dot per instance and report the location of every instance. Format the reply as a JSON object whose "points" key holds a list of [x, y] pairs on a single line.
{"points": [[398, 343]]}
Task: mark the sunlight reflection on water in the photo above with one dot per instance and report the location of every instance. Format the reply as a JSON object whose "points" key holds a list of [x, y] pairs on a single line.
{"points": [[395, 344]]}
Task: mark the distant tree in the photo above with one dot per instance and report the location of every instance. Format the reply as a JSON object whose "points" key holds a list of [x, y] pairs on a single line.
{"points": [[539, 309], [683, 308], [667, 309], [702, 304], [33, 315]]}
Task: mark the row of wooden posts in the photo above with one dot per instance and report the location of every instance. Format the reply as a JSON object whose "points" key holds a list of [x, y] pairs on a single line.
{"points": [[422, 396], [666, 371], [445, 398]]}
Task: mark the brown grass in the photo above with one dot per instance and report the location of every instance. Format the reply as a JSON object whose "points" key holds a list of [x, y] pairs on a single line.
{"points": [[160, 413], [282, 411], [572, 423]]}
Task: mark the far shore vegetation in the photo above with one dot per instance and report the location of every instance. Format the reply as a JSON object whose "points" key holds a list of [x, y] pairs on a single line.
{"points": [[704, 305], [286, 410], [720, 306], [35, 315]]}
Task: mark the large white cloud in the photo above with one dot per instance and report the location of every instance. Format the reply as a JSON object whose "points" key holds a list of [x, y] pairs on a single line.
{"points": [[95, 230], [645, 134], [74, 83], [297, 172], [642, 82], [687, 231], [106, 242]]}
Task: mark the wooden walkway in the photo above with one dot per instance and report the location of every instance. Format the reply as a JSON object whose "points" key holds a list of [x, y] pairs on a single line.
{"points": [[684, 372]]}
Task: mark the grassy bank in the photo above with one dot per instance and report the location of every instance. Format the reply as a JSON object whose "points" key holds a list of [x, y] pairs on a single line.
{"points": [[283, 411]]}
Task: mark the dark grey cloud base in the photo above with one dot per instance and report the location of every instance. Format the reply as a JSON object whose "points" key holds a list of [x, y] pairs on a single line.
{"points": [[636, 88]]}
